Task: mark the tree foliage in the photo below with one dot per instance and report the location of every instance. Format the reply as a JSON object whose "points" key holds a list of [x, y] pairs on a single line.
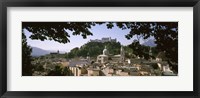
{"points": [[143, 51], [165, 34], [58, 31], [26, 57], [59, 71]]}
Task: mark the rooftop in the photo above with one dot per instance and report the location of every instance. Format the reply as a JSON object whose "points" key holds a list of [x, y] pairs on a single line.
{"points": [[78, 62]]}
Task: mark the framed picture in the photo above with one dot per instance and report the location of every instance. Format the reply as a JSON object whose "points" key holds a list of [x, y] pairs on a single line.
{"points": [[129, 48]]}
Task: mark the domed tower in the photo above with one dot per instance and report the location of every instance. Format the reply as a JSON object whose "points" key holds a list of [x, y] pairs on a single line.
{"points": [[105, 51]]}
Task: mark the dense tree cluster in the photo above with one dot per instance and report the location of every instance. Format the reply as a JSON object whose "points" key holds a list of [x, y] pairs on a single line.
{"points": [[59, 71], [143, 51], [93, 49], [26, 57]]}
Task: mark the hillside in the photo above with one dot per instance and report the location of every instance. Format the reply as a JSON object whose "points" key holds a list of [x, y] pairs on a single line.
{"points": [[94, 49], [39, 52]]}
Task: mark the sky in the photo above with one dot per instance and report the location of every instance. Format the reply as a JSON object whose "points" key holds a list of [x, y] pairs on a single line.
{"points": [[99, 32]]}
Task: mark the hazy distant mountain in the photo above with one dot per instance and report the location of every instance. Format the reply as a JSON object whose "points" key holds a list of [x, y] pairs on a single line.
{"points": [[150, 43], [60, 52], [39, 52]]}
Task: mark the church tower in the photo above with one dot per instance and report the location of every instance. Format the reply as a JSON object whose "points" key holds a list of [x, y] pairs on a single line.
{"points": [[122, 53], [150, 52], [88, 56]]}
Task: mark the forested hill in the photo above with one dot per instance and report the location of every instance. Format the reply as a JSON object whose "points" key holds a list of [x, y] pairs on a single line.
{"points": [[94, 49]]}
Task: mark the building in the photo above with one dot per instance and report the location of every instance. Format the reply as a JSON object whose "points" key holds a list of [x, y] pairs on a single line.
{"points": [[55, 52], [103, 58], [104, 39], [76, 66], [93, 72], [120, 58]]}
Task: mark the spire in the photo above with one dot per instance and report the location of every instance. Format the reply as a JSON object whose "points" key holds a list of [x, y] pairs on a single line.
{"points": [[150, 51], [122, 50], [122, 53]]}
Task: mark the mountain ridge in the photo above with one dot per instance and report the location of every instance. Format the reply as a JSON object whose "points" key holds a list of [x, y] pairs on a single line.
{"points": [[38, 51]]}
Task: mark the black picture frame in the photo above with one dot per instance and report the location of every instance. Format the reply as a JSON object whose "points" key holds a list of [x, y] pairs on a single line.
{"points": [[98, 3]]}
